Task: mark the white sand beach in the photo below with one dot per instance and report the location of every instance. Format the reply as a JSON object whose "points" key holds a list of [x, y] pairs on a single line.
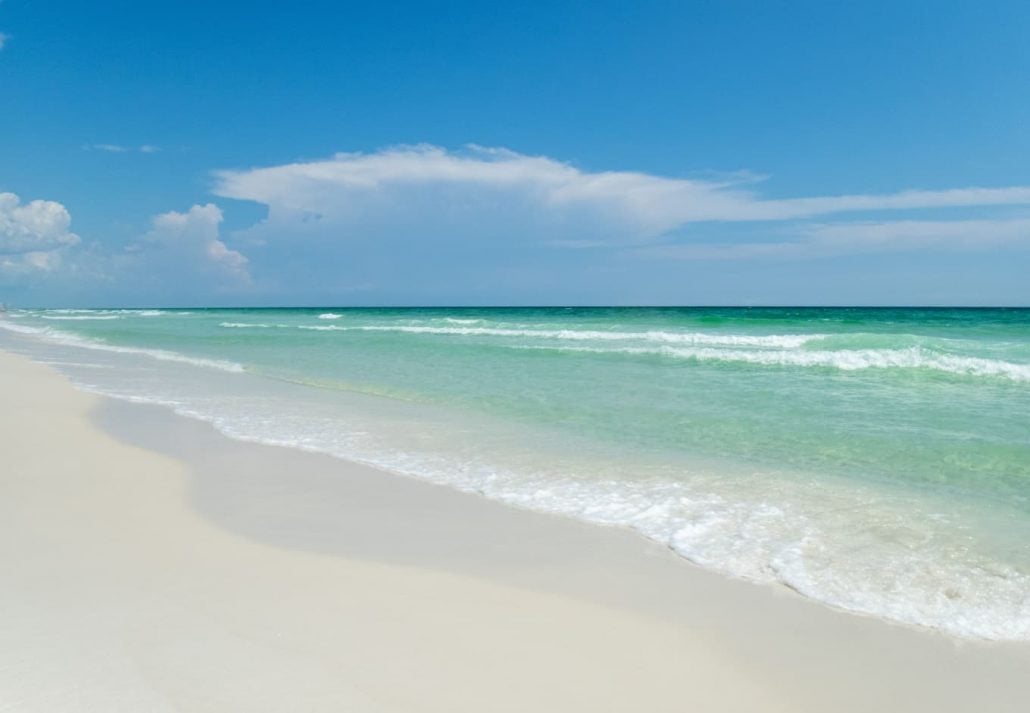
{"points": [[152, 564]]}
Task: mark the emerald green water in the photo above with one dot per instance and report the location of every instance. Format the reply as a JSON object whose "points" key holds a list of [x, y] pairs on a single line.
{"points": [[875, 459]]}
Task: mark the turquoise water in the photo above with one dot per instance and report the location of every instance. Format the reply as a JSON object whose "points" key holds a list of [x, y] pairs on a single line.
{"points": [[874, 459]]}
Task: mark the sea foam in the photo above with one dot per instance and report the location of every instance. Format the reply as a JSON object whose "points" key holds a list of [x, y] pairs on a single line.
{"points": [[775, 340], [843, 360], [847, 525], [75, 340]]}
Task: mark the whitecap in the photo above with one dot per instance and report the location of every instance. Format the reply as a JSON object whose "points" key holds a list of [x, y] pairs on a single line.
{"points": [[785, 341], [844, 360]]}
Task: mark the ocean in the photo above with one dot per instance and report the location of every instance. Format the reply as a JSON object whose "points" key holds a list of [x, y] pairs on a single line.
{"points": [[874, 459]]}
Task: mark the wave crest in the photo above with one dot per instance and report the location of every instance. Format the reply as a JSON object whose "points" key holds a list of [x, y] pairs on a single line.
{"points": [[847, 360], [60, 337]]}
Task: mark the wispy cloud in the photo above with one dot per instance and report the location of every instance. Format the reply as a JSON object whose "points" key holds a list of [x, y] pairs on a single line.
{"points": [[110, 148], [118, 148], [912, 234], [832, 239]]}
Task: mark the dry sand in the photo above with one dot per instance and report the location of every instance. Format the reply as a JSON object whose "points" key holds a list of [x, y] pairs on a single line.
{"points": [[148, 563]]}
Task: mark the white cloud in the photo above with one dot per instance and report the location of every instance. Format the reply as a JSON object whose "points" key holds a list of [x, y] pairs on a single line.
{"points": [[422, 224], [558, 201], [181, 244], [118, 148], [30, 263], [456, 188], [829, 239], [32, 235], [33, 229], [110, 148], [182, 255], [909, 234]]}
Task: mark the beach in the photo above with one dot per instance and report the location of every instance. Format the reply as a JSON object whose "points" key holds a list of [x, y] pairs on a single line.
{"points": [[874, 460], [151, 563], [551, 357]]}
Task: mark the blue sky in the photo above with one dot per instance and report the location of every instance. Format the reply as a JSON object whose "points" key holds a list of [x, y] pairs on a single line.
{"points": [[485, 153]]}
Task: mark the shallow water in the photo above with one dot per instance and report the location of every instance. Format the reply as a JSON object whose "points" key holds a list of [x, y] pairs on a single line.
{"points": [[874, 459]]}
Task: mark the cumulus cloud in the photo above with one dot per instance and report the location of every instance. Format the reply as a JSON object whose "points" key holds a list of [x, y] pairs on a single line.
{"points": [[421, 224], [477, 189], [33, 235], [29, 263], [479, 186], [180, 258], [182, 245]]}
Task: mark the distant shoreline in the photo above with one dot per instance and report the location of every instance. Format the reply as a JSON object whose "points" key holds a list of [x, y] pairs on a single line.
{"points": [[11, 306]]}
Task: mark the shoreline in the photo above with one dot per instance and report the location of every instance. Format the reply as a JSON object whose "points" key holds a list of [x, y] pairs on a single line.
{"points": [[174, 566], [755, 472]]}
